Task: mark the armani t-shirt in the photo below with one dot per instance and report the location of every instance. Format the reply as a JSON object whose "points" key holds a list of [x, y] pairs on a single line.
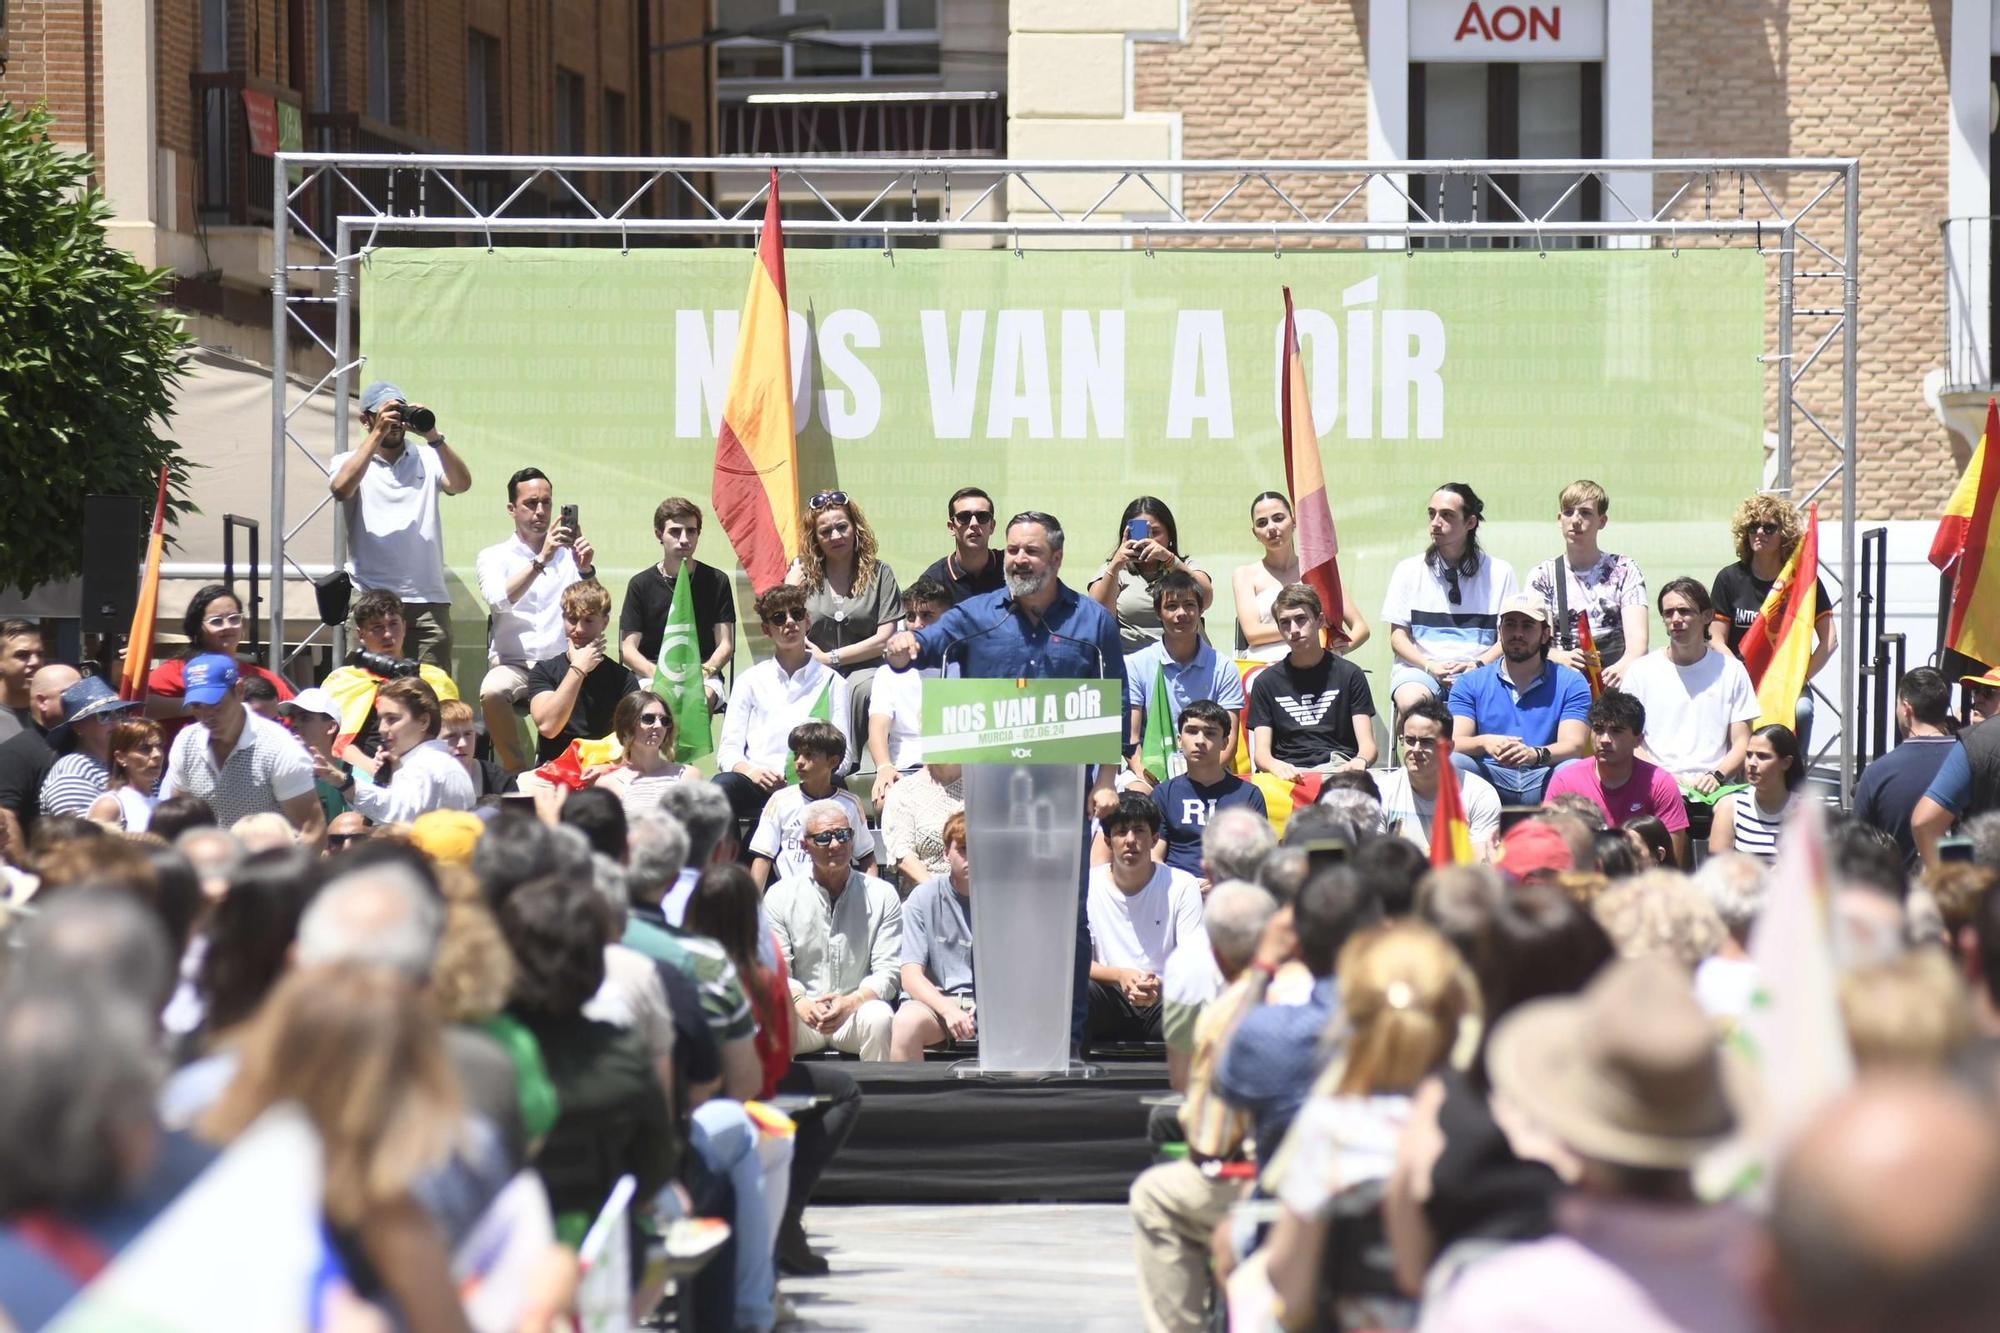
{"points": [[1310, 710]]}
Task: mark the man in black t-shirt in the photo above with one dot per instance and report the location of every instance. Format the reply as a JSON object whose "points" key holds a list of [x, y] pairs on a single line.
{"points": [[972, 567], [1311, 710], [642, 621], [572, 695]]}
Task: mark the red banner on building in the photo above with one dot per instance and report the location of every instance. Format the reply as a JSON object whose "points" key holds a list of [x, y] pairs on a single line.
{"points": [[260, 115]]}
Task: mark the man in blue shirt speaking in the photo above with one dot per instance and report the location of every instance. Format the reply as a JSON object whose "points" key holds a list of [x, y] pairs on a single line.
{"points": [[1035, 627]]}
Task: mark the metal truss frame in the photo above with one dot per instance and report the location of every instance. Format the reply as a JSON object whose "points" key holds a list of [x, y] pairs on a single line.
{"points": [[1804, 213]]}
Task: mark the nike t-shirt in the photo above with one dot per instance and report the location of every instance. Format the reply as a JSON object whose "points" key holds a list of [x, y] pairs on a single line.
{"points": [[1311, 710]]}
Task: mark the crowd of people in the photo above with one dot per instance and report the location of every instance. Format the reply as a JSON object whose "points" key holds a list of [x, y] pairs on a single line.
{"points": [[1410, 1092]]}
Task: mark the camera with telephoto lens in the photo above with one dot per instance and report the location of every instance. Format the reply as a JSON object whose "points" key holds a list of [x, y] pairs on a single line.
{"points": [[382, 664], [418, 419]]}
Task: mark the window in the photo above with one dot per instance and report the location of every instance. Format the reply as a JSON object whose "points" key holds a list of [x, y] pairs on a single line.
{"points": [[1545, 109], [482, 92], [385, 60], [614, 124], [863, 39], [569, 113], [680, 143], [214, 35]]}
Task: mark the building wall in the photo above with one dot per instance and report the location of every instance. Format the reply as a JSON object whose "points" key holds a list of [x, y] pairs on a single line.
{"points": [[56, 56]]}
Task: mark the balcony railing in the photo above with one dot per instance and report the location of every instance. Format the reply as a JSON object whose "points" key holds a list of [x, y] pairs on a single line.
{"points": [[1969, 343], [234, 179], [865, 124]]}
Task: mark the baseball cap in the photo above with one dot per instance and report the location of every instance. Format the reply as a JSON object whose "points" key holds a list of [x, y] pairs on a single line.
{"points": [[378, 393], [447, 836], [1527, 604], [209, 677], [311, 700], [1532, 846]]}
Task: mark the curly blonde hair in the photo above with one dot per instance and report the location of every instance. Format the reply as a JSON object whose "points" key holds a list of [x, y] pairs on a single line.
{"points": [[1764, 507], [474, 969], [813, 567]]}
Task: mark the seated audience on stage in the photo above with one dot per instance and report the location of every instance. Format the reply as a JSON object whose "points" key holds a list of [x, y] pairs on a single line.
{"points": [[381, 626], [1254, 586], [914, 816], [458, 731], [1749, 820], [239, 763], [1138, 911], [1177, 1204], [1409, 793], [937, 956], [1698, 699], [777, 848], [649, 600], [1192, 668], [1766, 528], [768, 700], [1516, 719], [25, 759], [1403, 993], [414, 772], [851, 593], [522, 581], [1278, 1048], [840, 934], [1616, 780], [1126, 583], [573, 694], [91, 711], [1311, 712], [213, 624], [1584, 579], [21, 656], [137, 762], [1982, 696], [972, 566], [896, 698], [1190, 800], [1443, 607], [646, 731], [1892, 784]]}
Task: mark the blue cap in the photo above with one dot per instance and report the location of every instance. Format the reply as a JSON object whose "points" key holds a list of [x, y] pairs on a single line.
{"points": [[209, 677], [378, 393]]}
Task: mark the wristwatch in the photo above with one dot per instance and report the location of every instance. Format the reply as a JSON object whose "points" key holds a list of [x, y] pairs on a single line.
{"points": [[1720, 780]]}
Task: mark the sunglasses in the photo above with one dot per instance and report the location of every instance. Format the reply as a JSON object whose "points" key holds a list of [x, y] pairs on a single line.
{"points": [[1420, 742], [966, 518], [652, 719], [832, 837], [1764, 527], [231, 621], [825, 498], [787, 617], [342, 839]]}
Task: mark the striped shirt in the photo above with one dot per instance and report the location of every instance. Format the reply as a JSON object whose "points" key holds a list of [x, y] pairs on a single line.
{"points": [[1212, 1126], [74, 783], [1447, 628], [1757, 829], [703, 962]]}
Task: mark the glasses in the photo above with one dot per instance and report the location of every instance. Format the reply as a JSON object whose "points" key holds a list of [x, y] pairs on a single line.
{"points": [[1420, 742], [342, 839], [380, 626], [1765, 528], [653, 719], [833, 837], [232, 621], [825, 498], [787, 617], [966, 518]]}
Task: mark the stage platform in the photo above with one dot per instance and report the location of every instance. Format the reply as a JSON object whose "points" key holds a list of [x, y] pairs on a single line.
{"points": [[927, 1136]]}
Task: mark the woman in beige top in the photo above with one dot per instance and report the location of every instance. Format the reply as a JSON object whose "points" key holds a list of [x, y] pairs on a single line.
{"points": [[1257, 585]]}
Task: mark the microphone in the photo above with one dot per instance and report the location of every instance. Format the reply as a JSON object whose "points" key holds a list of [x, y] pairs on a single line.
{"points": [[944, 658]]}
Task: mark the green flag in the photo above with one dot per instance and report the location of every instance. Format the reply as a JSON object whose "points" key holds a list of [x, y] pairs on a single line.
{"points": [[677, 674], [821, 711], [1159, 752]]}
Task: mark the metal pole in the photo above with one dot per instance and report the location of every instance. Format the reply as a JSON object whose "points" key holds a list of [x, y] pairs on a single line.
{"points": [[343, 378], [1849, 329], [1787, 242], [274, 652]]}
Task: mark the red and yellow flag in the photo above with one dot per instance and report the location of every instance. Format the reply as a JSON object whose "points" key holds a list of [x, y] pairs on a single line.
{"points": [[1312, 518], [1778, 646], [139, 642], [1593, 670], [1451, 833], [1967, 547], [756, 484]]}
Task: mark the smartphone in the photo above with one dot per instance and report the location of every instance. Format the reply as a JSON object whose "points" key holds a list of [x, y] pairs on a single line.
{"points": [[569, 520], [1957, 848], [517, 803], [1138, 530], [1325, 853]]}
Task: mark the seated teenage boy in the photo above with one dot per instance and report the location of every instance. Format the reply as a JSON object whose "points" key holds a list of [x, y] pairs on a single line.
{"points": [[776, 848], [1311, 710], [1193, 669], [937, 956], [572, 695], [1138, 911], [1189, 801]]}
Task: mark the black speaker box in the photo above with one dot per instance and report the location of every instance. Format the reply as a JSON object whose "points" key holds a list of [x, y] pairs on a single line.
{"points": [[114, 542]]}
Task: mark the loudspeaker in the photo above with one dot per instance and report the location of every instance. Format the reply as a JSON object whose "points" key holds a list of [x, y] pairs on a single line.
{"points": [[114, 542]]}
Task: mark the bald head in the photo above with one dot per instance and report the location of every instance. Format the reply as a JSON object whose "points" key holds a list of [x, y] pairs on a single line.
{"points": [[1886, 1215], [45, 691]]}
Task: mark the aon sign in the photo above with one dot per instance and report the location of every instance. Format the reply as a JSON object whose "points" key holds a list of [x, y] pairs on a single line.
{"points": [[1506, 30]]}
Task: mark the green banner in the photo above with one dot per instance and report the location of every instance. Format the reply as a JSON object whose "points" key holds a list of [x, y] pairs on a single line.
{"points": [[1075, 381], [1022, 721]]}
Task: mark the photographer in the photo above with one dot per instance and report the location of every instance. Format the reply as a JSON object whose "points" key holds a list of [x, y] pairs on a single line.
{"points": [[389, 495], [523, 580], [379, 625]]}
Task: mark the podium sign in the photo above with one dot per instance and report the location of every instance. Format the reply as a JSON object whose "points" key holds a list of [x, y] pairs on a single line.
{"points": [[1024, 744]]}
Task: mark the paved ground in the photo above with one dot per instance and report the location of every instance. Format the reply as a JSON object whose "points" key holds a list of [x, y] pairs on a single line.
{"points": [[991, 1267]]}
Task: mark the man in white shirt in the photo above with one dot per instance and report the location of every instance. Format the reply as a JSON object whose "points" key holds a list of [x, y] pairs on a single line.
{"points": [[1443, 607], [896, 701], [522, 580], [1698, 699], [768, 700], [1139, 910], [1409, 793], [389, 500], [841, 935]]}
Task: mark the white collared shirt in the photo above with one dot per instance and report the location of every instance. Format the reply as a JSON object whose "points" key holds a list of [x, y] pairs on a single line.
{"points": [[429, 777], [766, 703], [836, 948], [394, 538], [530, 629]]}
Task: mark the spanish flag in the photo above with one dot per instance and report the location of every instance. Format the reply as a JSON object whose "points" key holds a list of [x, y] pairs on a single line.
{"points": [[1312, 519], [1967, 547], [1778, 646], [139, 642], [756, 484], [1451, 833], [1593, 669]]}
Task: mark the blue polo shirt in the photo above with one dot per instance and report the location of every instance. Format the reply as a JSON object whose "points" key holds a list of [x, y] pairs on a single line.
{"points": [[991, 637], [1208, 675], [1487, 696]]}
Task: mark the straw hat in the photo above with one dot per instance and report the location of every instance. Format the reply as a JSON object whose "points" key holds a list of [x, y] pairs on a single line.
{"points": [[1627, 1072]]}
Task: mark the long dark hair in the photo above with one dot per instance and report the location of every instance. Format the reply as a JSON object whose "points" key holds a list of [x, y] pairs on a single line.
{"points": [[1475, 511], [1152, 507], [1786, 746], [250, 934], [724, 908], [198, 611]]}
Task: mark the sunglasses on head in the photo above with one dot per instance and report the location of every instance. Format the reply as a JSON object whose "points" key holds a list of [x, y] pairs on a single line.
{"points": [[825, 498], [832, 837], [965, 518]]}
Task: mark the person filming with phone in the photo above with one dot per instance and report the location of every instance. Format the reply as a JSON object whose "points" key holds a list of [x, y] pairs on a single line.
{"points": [[389, 492], [523, 580]]}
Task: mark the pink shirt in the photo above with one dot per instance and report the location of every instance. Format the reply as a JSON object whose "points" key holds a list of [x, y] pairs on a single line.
{"points": [[1649, 791]]}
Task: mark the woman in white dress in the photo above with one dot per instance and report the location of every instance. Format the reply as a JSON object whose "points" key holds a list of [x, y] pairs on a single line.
{"points": [[1256, 586], [138, 755], [644, 726]]}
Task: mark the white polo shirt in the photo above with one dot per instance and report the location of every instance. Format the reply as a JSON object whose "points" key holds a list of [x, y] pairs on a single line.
{"points": [[530, 629], [394, 538]]}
